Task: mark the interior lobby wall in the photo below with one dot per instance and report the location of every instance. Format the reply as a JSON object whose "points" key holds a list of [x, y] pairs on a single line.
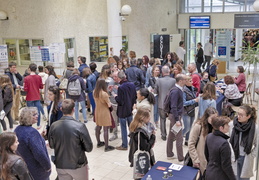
{"points": [[218, 21], [55, 20]]}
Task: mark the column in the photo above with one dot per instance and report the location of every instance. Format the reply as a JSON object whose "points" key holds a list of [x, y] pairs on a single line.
{"points": [[238, 43], [114, 26]]}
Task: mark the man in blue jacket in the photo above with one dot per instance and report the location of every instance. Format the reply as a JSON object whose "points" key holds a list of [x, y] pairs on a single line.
{"points": [[135, 75], [81, 61], [176, 111], [125, 98], [17, 83]]}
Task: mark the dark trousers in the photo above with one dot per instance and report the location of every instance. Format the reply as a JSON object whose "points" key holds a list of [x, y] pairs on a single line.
{"points": [[236, 102], [198, 65], [207, 61], [162, 115], [171, 138]]}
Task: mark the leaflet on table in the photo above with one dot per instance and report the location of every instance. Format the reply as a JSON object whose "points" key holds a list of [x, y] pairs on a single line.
{"points": [[175, 167]]}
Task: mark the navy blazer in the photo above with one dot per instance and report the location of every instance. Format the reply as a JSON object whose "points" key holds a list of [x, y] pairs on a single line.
{"points": [[18, 77], [126, 98], [176, 103]]}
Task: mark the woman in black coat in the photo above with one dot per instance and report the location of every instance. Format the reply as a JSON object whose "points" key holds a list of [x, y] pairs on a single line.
{"points": [[218, 152], [199, 57], [141, 128]]}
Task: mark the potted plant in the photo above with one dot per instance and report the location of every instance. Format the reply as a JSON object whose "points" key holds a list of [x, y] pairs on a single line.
{"points": [[250, 57]]}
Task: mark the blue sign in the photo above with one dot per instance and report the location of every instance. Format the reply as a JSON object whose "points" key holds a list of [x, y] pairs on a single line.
{"points": [[222, 51], [199, 22], [45, 54]]}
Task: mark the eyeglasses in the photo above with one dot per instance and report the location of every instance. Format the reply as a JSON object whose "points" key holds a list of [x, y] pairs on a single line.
{"points": [[241, 115]]}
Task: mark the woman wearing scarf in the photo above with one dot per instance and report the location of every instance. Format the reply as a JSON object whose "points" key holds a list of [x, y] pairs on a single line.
{"points": [[218, 151], [243, 141]]}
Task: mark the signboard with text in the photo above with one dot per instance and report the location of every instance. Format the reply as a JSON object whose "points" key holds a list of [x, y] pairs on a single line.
{"points": [[246, 21]]}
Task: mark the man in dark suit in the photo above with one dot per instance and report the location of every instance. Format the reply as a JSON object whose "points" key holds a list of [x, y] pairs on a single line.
{"points": [[176, 111], [125, 98], [16, 80], [162, 87]]}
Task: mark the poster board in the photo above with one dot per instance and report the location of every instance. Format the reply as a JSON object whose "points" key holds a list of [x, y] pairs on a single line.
{"points": [[3, 58]]}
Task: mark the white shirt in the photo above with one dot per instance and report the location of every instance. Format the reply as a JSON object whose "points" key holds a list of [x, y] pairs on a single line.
{"points": [[180, 51], [208, 49]]}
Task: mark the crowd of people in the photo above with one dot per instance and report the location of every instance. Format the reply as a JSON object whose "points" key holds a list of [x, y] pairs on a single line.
{"points": [[137, 95]]}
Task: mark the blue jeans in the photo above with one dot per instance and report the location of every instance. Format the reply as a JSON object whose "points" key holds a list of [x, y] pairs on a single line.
{"points": [[91, 98], [156, 114], [82, 103], [124, 133], [38, 105], [240, 163], [187, 121]]}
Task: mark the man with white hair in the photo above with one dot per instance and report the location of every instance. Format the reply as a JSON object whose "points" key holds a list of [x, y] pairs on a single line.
{"points": [[162, 87]]}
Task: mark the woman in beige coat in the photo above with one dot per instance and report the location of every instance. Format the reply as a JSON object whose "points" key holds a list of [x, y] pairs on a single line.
{"points": [[102, 115], [199, 132]]}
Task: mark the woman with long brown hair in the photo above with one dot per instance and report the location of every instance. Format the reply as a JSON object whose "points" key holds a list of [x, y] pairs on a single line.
{"points": [[140, 130], [7, 94], [12, 166], [102, 115], [198, 134], [50, 81], [207, 99]]}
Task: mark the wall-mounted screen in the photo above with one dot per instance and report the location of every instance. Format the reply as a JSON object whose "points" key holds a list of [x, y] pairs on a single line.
{"points": [[199, 22]]}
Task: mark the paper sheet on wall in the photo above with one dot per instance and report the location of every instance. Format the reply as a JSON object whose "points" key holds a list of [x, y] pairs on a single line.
{"points": [[3, 58], [35, 53]]}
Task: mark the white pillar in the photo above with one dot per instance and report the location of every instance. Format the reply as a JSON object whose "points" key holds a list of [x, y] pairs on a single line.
{"points": [[238, 43], [114, 26]]}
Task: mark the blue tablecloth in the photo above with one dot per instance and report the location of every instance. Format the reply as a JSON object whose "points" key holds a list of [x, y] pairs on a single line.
{"points": [[186, 173], [219, 102]]}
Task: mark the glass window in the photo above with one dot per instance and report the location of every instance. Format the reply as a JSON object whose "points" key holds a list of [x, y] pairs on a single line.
{"points": [[19, 49], [198, 6], [11, 48], [98, 49], [234, 6], [194, 6], [37, 42], [24, 51], [70, 51]]}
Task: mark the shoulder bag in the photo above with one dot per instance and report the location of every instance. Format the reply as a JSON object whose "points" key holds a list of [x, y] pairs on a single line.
{"points": [[187, 158], [141, 162], [64, 82]]}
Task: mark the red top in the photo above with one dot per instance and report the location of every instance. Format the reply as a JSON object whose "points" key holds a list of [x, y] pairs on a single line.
{"points": [[32, 85], [196, 82], [240, 81]]}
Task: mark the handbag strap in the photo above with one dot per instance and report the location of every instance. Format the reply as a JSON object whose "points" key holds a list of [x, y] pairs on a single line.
{"points": [[198, 138], [138, 141]]}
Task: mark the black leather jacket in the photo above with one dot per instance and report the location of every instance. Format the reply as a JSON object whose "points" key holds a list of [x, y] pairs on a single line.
{"points": [[18, 167], [70, 139]]}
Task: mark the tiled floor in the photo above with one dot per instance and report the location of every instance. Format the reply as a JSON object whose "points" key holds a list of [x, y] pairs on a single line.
{"points": [[114, 165]]}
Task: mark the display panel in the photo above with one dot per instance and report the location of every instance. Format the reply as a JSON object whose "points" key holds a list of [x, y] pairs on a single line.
{"points": [[200, 22]]}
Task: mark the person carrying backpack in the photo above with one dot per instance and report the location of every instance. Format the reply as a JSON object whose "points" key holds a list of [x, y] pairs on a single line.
{"points": [[212, 70], [76, 90]]}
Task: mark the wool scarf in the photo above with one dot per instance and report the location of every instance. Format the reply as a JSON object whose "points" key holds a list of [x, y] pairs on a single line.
{"points": [[248, 131]]}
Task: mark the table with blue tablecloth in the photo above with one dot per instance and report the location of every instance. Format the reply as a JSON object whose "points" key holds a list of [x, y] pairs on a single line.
{"points": [[186, 173]]}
